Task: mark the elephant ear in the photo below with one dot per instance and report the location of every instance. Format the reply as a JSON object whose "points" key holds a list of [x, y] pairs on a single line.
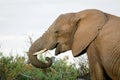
{"points": [[89, 25]]}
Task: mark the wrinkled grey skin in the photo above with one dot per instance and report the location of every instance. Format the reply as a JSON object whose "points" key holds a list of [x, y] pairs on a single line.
{"points": [[91, 31]]}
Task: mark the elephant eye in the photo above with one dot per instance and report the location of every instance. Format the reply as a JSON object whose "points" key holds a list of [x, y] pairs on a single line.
{"points": [[56, 32]]}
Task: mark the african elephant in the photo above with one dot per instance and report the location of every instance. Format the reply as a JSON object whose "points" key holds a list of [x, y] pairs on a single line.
{"points": [[91, 31]]}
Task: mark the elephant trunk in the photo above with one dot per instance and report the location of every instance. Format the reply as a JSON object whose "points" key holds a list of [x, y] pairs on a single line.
{"points": [[39, 64], [35, 47]]}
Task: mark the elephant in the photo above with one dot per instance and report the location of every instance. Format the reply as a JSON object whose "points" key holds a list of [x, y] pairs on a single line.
{"points": [[90, 31]]}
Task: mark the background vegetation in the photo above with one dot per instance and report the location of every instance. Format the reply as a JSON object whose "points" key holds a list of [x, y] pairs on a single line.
{"points": [[15, 68]]}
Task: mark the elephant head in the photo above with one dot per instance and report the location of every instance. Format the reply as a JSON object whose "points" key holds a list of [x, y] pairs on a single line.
{"points": [[71, 31]]}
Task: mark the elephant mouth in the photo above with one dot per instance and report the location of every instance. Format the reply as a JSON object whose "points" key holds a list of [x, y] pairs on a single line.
{"points": [[44, 50], [59, 49]]}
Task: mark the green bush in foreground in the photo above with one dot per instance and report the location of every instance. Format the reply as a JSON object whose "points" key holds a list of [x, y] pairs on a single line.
{"points": [[10, 67], [16, 69]]}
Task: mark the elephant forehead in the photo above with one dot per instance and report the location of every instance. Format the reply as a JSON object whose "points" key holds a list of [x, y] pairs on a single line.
{"points": [[64, 29], [65, 18]]}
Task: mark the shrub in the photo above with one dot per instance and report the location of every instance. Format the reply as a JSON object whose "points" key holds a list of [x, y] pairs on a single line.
{"points": [[14, 68]]}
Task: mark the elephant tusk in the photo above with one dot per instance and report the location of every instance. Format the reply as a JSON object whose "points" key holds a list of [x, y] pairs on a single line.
{"points": [[40, 52]]}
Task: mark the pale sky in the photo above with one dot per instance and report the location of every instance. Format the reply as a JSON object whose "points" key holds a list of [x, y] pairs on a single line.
{"points": [[19, 18]]}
